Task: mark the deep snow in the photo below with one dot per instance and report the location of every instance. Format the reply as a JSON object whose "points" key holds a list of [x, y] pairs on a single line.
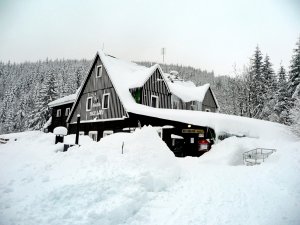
{"points": [[97, 184]]}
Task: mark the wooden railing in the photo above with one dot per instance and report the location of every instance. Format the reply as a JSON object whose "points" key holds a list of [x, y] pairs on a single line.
{"points": [[256, 156]]}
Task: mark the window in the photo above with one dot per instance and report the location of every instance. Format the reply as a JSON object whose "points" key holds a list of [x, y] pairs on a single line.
{"points": [[93, 135], [207, 110], [105, 101], [137, 95], [107, 132], [99, 71], [154, 101], [67, 111], [89, 104], [58, 113]]}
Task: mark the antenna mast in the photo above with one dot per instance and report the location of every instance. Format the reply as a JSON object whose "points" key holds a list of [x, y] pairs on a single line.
{"points": [[163, 52]]}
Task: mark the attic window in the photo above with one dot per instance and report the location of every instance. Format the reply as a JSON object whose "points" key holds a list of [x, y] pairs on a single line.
{"points": [[105, 101], [67, 111], [58, 113], [89, 104], [154, 101], [99, 71]]}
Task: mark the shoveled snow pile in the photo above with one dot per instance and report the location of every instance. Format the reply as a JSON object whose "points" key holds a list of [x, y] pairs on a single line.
{"points": [[135, 179]]}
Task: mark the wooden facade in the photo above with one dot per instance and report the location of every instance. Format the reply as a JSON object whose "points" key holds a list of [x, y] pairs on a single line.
{"points": [[156, 86], [95, 88]]}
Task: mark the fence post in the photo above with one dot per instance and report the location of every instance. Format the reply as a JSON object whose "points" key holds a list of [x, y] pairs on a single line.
{"points": [[77, 129]]}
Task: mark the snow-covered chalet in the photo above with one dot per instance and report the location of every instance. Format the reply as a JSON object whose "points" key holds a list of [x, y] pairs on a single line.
{"points": [[119, 96]]}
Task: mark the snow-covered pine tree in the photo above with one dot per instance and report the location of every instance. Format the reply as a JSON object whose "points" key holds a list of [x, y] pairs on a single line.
{"points": [[45, 94], [269, 88], [281, 107], [256, 84], [294, 84], [295, 111], [294, 73]]}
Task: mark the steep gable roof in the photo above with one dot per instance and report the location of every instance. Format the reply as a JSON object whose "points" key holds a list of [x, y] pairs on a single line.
{"points": [[126, 75]]}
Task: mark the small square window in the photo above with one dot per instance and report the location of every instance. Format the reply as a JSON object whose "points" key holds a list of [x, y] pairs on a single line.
{"points": [[67, 111], [154, 101], [99, 71], [58, 113], [89, 104], [105, 101], [93, 135]]}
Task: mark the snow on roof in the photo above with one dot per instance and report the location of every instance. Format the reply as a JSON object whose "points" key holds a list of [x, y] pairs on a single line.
{"points": [[126, 75], [64, 100], [186, 90], [231, 124]]}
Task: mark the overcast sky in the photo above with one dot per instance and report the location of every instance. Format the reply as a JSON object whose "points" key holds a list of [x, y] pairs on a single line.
{"points": [[211, 35]]}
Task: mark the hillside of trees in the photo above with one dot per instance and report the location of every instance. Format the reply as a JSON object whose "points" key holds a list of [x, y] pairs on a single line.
{"points": [[257, 92]]}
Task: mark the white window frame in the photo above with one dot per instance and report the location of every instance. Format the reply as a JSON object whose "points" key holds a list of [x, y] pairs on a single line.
{"points": [[99, 74], [91, 133], [207, 110], [58, 113], [103, 97], [87, 101], [157, 101], [107, 132], [67, 112]]}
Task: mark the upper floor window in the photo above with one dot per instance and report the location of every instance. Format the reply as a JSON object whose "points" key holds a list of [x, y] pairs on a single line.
{"points": [[67, 111], [89, 104], [99, 71], [58, 113], [105, 101], [154, 101]]}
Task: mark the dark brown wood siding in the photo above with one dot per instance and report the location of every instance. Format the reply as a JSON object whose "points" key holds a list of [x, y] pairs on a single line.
{"points": [[209, 102], [155, 85], [95, 87]]}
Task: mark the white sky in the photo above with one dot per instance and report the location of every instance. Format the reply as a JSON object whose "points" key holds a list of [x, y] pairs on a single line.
{"points": [[211, 35]]}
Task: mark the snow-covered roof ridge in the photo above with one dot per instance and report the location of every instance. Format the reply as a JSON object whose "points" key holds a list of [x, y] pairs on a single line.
{"points": [[64, 100]]}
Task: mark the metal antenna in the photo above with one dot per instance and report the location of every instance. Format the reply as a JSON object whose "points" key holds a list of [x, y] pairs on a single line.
{"points": [[163, 52]]}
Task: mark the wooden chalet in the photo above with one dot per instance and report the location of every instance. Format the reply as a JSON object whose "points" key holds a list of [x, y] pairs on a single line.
{"points": [[119, 96]]}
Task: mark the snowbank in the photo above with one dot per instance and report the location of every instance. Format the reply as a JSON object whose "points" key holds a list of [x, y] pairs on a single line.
{"points": [[97, 184], [91, 184]]}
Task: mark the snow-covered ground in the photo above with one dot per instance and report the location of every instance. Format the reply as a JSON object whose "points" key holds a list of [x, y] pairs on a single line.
{"points": [[97, 184]]}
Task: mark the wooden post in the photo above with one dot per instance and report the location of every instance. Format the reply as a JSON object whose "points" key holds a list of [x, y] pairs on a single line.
{"points": [[77, 129]]}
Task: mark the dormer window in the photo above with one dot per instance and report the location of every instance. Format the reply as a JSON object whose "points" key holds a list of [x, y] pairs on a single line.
{"points": [[154, 101], [99, 71]]}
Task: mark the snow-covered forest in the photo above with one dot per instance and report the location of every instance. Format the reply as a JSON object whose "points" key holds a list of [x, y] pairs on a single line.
{"points": [[257, 92]]}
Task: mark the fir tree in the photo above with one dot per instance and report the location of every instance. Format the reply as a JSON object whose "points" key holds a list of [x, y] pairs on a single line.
{"points": [[281, 107], [294, 73], [45, 94], [256, 85], [268, 90]]}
